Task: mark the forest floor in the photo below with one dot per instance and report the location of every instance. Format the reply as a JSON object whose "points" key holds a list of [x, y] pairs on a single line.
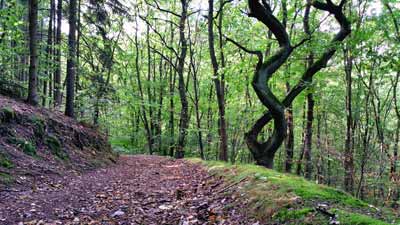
{"points": [[136, 190]]}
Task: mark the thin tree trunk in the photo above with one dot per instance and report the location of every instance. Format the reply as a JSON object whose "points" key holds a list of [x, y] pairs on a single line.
{"points": [[303, 134], [49, 52], [310, 105], [196, 93], [394, 192], [320, 162], [57, 72], [348, 152], [184, 115], [218, 81], [142, 111]]}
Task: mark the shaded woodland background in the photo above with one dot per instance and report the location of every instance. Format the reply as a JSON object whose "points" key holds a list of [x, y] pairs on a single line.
{"points": [[160, 80]]}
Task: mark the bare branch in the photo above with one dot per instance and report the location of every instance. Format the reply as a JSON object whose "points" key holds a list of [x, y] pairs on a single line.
{"points": [[157, 6], [159, 35]]}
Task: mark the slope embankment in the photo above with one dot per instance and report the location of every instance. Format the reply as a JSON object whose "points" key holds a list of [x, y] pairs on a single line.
{"points": [[39, 145]]}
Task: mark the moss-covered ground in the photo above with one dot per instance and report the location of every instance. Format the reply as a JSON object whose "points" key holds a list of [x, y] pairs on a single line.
{"points": [[289, 199]]}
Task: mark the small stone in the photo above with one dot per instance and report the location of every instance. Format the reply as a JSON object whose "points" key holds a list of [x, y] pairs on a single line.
{"points": [[118, 213], [165, 207]]}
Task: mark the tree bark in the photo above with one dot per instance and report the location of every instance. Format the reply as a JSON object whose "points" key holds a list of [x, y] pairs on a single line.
{"points": [[33, 98], [49, 53], [184, 115], [289, 144], [142, 110], [264, 153], [310, 104], [57, 72], [218, 81], [348, 151], [71, 61]]}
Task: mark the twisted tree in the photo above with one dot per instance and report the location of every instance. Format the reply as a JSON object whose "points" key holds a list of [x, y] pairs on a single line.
{"points": [[264, 152]]}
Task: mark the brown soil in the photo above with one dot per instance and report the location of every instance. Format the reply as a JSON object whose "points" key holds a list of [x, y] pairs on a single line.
{"points": [[137, 190]]}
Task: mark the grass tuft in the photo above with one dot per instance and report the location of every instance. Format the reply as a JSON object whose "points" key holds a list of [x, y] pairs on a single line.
{"points": [[26, 146], [5, 162], [7, 114], [40, 127], [55, 147], [6, 178]]}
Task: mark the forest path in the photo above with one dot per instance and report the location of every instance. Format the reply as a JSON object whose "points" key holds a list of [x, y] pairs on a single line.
{"points": [[137, 190]]}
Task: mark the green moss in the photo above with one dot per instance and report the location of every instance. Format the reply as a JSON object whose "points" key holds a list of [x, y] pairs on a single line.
{"points": [[347, 218], [7, 114], [290, 183], [6, 178], [26, 146], [271, 193], [287, 214], [39, 125], [5, 162], [55, 147]]}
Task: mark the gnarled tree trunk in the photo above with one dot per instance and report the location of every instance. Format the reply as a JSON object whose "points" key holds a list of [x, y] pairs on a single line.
{"points": [[264, 152]]}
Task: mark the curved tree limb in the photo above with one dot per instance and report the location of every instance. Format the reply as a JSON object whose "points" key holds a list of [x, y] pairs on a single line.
{"points": [[264, 152]]}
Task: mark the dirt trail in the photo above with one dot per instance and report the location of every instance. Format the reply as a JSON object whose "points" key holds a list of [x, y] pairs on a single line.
{"points": [[138, 190]]}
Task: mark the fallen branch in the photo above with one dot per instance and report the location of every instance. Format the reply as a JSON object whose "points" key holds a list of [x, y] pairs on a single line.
{"points": [[231, 185]]}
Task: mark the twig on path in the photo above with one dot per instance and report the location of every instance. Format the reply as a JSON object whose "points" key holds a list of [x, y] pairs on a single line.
{"points": [[231, 185]]}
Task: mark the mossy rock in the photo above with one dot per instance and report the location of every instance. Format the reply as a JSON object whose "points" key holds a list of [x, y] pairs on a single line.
{"points": [[26, 146], [53, 143], [7, 114], [5, 162], [40, 126]]}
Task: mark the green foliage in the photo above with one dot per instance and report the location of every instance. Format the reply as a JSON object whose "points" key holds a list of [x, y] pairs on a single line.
{"points": [[39, 126], [55, 147], [121, 144], [5, 162], [25, 145], [6, 178], [7, 114]]}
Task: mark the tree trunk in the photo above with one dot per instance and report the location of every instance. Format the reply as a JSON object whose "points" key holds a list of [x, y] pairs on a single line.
{"points": [[320, 162], [142, 111], [33, 64], [303, 134], [218, 82], [308, 167], [57, 72], [394, 192], [348, 151], [289, 144], [264, 153], [194, 69], [71, 61], [49, 52], [184, 115]]}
